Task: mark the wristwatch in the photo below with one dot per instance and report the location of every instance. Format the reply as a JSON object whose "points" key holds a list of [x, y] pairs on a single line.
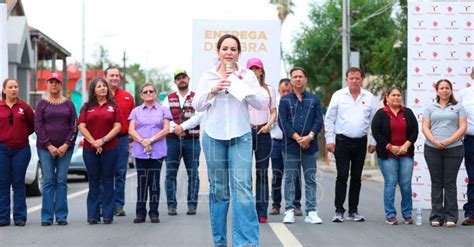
{"points": [[312, 136]]}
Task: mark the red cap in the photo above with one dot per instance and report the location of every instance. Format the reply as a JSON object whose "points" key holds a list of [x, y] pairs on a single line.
{"points": [[57, 76], [254, 62]]}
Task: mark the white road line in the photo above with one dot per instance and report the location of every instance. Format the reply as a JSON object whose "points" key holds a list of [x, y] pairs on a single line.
{"points": [[71, 196], [284, 235]]}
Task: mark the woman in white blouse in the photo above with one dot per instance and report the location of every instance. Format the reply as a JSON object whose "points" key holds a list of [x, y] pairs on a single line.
{"points": [[261, 121], [224, 93]]}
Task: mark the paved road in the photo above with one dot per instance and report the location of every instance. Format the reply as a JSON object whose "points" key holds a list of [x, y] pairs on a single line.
{"points": [[183, 230]]}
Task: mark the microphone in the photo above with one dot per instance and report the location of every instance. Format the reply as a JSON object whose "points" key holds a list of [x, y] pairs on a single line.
{"points": [[228, 70]]}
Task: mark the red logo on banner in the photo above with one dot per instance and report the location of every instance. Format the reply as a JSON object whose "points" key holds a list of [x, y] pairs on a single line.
{"points": [[466, 180], [450, 70], [468, 54], [468, 84], [468, 23], [414, 194], [417, 70], [415, 163], [417, 101], [435, 23], [435, 54], [417, 39], [450, 9], [417, 8], [450, 39]]}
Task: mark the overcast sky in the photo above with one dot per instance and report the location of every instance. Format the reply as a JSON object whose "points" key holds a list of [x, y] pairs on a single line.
{"points": [[153, 33]]}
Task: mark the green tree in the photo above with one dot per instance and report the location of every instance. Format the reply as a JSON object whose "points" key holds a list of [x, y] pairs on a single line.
{"points": [[318, 48]]}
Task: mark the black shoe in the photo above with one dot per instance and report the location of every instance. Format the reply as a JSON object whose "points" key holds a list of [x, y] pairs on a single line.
{"points": [[172, 211], [20, 223], [139, 220], [155, 220], [107, 222], [62, 223], [46, 223], [191, 211], [119, 212], [92, 222], [4, 224]]}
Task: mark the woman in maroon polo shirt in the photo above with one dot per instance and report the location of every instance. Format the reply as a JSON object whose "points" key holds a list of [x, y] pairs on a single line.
{"points": [[395, 129], [99, 123], [16, 124]]}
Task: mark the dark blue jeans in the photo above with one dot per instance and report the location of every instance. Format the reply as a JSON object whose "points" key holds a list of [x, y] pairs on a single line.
{"points": [[13, 164], [100, 171], [148, 175], [278, 171], [262, 146], [469, 163], [188, 150], [121, 171]]}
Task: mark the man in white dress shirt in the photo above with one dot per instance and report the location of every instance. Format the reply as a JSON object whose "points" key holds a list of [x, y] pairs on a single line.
{"points": [[347, 123]]}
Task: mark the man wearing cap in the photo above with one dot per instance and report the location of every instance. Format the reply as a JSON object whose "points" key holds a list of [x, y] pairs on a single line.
{"points": [[126, 104], [182, 142]]}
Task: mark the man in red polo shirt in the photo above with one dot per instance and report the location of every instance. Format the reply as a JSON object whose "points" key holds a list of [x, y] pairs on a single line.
{"points": [[126, 104]]}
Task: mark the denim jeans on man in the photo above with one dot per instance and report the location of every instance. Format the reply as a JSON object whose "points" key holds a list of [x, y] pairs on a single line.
{"points": [[148, 176], [469, 163], [397, 171], [262, 145], [277, 176], [13, 164], [54, 185], [293, 164], [443, 165], [229, 163], [100, 172], [121, 171], [189, 150]]}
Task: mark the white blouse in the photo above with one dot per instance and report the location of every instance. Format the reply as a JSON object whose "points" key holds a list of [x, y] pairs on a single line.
{"points": [[225, 116]]}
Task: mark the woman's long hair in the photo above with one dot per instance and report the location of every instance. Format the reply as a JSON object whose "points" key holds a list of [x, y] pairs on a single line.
{"points": [[4, 96], [93, 97], [451, 100]]}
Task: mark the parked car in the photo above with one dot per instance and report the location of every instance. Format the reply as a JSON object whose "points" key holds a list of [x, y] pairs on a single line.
{"points": [[34, 175], [77, 165]]}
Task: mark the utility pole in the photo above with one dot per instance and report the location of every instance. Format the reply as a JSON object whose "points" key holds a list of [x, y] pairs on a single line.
{"points": [[124, 59], [346, 38], [84, 79]]}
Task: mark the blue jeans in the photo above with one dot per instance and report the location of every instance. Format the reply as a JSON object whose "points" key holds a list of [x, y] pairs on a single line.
{"points": [[100, 171], [229, 163], [397, 171], [278, 171], [262, 145], [189, 150], [54, 185], [148, 175], [13, 164], [121, 171], [293, 162], [469, 163]]}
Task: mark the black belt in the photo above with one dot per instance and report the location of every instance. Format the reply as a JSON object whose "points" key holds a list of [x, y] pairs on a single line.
{"points": [[277, 140], [342, 137], [122, 135]]}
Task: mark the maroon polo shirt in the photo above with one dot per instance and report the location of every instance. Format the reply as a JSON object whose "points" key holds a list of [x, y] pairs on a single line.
{"points": [[398, 128], [16, 124], [126, 104], [99, 121]]}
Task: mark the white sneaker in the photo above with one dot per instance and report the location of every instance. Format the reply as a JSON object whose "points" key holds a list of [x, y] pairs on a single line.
{"points": [[313, 218], [289, 216]]}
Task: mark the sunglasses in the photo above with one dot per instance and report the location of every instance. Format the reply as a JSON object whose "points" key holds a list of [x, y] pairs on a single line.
{"points": [[10, 118], [148, 92]]}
